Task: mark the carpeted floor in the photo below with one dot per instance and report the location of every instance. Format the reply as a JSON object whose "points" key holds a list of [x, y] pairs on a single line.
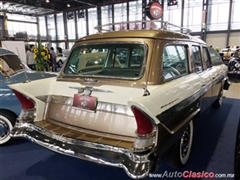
{"points": [[212, 151]]}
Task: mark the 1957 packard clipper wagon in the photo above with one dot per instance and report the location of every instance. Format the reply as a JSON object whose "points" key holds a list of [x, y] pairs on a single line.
{"points": [[124, 99]]}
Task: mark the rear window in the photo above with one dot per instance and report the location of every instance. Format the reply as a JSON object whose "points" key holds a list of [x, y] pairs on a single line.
{"points": [[112, 60]]}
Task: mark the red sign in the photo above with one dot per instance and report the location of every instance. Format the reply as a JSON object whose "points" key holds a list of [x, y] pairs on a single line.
{"points": [[85, 102], [154, 10]]}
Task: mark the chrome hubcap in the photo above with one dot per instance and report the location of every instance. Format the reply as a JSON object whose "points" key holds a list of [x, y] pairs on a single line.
{"points": [[4, 129], [185, 139], [221, 98]]}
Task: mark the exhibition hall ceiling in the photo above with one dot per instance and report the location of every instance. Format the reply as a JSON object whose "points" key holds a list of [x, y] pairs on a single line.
{"points": [[44, 7]]}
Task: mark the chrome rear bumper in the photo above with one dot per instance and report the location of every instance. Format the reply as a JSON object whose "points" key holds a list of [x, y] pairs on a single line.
{"points": [[136, 166]]}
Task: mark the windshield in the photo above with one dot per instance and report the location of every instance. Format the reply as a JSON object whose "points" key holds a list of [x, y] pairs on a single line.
{"points": [[118, 60]]}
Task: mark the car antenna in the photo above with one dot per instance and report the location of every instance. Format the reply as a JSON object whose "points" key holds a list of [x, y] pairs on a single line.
{"points": [[146, 92]]}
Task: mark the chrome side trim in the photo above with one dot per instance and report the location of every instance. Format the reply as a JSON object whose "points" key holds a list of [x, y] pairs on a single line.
{"points": [[136, 166]]}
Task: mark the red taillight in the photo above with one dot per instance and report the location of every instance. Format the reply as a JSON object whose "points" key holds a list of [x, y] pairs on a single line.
{"points": [[144, 125], [26, 103]]}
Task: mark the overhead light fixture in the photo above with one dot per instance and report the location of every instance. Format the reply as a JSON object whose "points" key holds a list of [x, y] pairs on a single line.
{"points": [[47, 1], [68, 5], [172, 2]]}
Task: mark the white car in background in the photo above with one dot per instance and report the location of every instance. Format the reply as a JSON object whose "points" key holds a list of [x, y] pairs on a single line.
{"points": [[61, 57]]}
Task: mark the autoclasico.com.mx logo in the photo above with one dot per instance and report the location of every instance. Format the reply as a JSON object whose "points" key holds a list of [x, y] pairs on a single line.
{"points": [[191, 174]]}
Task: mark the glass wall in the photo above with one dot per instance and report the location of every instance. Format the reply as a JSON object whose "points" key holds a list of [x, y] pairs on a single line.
{"points": [[42, 28], [192, 17], [135, 14], [27, 28], [92, 20], [51, 27], [81, 24], [71, 26], [218, 15], [172, 14], [107, 16], [235, 21], [60, 27], [120, 15], [217, 20]]}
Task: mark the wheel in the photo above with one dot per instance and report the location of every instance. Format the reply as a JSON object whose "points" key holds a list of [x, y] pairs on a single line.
{"points": [[179, 155], [7, 121], [186, 144], [218, 102]]}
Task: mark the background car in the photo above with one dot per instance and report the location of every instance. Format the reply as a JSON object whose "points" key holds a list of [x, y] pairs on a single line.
{"points": [[227, 53], [61, 56], [10, 67], [234, 65], [10, 106]]}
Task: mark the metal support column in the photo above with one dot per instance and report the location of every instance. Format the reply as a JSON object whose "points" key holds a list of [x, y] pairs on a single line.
{"points": [[162, 3], [75, 24], [113, 20], [47, 33], [204, 19], [38, 28], [229, 22], [55, 25], [127, 15], [182, 15], [144, 16], [87, 22], [99, 15], [65, 29]]}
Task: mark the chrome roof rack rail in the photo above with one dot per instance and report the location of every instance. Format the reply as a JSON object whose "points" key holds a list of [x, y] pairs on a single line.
{"points": [[164, 26]]}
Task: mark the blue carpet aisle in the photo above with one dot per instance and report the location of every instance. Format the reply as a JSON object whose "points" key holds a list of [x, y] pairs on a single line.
{"points": [[212, 151]]}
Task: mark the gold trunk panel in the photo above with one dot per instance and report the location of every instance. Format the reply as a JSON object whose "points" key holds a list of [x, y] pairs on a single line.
{"points": [[83, 135]]}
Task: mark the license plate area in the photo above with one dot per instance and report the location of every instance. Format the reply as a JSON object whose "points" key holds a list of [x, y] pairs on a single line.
{"points": [[88, 103]]}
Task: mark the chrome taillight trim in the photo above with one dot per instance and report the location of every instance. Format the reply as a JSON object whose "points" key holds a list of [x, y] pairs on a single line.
{"points": [[143, 137], [27, 115]]}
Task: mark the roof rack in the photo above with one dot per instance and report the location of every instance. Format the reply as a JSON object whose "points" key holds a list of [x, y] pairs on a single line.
{"points": [[149, 24]]}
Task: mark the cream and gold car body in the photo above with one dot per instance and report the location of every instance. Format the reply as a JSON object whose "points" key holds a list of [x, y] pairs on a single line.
{"points": [[109, 133]]}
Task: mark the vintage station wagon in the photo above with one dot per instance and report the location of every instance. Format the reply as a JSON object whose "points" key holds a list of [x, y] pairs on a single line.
{"points": [[124, 98]]}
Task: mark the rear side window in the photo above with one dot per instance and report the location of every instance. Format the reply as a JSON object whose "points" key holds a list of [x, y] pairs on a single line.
{"points": [[215, 57], [196, 56], [206, 58], [175, 61]]}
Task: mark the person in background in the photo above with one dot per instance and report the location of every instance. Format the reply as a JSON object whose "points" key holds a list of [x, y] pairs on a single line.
{"points": [[30, 58], [237, 53], [53, 60]]}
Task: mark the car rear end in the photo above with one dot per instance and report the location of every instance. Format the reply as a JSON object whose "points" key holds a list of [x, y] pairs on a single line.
{"points": [[85, 113]]}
